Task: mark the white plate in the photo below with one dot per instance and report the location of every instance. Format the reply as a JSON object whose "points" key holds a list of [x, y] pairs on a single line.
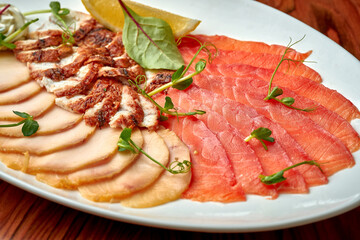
{"points": [[246, 20]]}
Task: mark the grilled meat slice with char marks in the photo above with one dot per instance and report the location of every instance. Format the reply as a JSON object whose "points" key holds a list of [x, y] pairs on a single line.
{"points": [[91, 76]]}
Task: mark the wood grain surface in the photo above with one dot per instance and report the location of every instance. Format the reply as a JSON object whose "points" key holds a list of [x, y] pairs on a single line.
{"points": [[26, 216]]}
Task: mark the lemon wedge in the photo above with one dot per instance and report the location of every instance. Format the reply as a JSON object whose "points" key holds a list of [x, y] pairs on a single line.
{"points": [[110, 14]]}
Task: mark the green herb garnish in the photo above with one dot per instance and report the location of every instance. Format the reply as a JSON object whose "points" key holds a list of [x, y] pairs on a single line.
{"points": [[261, 134], [30, 125], [279, 176], [6, 41], [273, 93], [126, 144], [178, 79], [58, 13], [150, 41]]}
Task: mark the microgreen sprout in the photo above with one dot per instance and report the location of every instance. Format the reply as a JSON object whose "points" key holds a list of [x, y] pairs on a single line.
{"points": [[4, 9], [279, 176], [178, 79], [261, 134], [58, 13], [6, 40], [30, 125], [168, 108], [273, 93], [126, 144]]}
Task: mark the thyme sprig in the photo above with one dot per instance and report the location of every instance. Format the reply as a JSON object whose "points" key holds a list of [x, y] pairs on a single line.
{"points": [[30, 125], [273, 93], [126, 144], [261, 134], [279, 176]]}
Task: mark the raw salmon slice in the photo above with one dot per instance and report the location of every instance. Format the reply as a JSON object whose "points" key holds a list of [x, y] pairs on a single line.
{"points": [[247, 166], [226, 43], [259, 60], [213, 177], [329, 98], [244, 118], [318, 143]]}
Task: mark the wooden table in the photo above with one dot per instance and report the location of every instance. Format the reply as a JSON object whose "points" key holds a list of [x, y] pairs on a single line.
{"points": [[26, 216]]}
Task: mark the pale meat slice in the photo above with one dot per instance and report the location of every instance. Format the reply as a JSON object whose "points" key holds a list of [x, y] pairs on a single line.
{"points": [[16, 161], [151, 113], [54, 120], [16, 72], [40, 145], [139, 175], [34, 106], [168, 187], [105, 169], [20, 93], [101, 145]]}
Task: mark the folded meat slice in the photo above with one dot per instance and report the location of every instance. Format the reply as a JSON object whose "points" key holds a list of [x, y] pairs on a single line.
{"points": [[259, 60], [16, 72], [168, 187], [79, 156], [227, 43], [245, 119], [16, 161], [320, 145], [35, 106], [213, 177], [19, 93], [107, 168], [46, 144], [317, 92], [49, 123], [139, 175], [249, 160]]}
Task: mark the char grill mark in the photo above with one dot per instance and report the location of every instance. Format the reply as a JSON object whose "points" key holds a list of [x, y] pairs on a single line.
{"points": [[91, 77]]}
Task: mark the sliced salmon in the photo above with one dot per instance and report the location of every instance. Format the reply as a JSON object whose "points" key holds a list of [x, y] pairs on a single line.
{"points": [[169, 186], [40, 145], [213, 177], [139, 175], [273, 160], [318, 143], [81, 156], [34, 106], [227, 43], [49, 123], [107, 168], [19, 93], [259, 60], [245, 161], [244, 118], [329, 98]]}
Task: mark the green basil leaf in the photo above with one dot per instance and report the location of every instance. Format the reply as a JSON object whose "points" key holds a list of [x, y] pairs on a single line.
{"points": [[183, 85], [22, 114], [168, 103], [30, 127], [64, 12], [176, 75], [154, 49]]}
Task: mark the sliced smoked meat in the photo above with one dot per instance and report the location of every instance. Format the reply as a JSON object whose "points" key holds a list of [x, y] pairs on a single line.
{"points": [[168, 187]]}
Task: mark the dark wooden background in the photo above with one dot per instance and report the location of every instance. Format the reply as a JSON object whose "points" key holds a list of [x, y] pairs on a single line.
{"points": [[25, 216]]}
